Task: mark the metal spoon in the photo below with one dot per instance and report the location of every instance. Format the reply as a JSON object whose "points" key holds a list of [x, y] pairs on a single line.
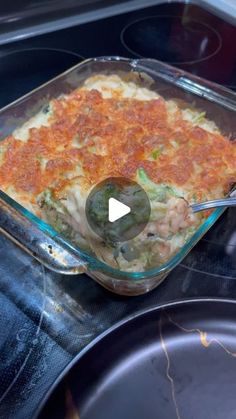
{"points": [[201, 206]]}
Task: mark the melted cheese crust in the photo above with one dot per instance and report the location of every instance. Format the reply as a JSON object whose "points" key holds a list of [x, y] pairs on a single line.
{"points": [[114, 127]]}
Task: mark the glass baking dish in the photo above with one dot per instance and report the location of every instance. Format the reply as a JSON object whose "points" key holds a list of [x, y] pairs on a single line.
{"points": [[40, 239]]}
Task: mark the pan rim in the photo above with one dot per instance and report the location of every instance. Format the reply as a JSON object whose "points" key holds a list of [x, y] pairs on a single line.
{"points": [[115, 327]]}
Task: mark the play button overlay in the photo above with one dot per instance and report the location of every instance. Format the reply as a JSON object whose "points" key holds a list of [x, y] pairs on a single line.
{"points": [[117, 209]]}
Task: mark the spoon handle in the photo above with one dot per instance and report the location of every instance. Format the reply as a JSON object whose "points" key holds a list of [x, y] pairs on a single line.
{"points": [[201, 206]]}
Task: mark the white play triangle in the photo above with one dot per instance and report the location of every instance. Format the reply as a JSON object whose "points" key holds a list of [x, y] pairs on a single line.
{"points": [[116, 210]]}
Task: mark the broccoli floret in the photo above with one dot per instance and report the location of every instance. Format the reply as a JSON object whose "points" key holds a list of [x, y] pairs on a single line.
{"points": [[158, 192]]}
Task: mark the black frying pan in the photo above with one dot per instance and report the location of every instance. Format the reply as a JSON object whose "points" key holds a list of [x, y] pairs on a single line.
{"points": [[24, 70], [176, 361]]}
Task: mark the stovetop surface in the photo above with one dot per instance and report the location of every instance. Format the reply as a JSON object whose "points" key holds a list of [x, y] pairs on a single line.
{"points": [[46, 318]]}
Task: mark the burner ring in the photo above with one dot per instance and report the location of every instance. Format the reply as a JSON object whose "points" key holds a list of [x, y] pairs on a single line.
{"points": [[176, 39], [25, 69]]}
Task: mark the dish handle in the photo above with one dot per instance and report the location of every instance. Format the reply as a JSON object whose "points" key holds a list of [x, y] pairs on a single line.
{"points": [[37, 243], [188, 82]]}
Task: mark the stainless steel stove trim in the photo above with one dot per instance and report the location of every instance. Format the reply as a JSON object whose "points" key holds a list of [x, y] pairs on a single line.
{"points": [[222, 8], [78, 19]]}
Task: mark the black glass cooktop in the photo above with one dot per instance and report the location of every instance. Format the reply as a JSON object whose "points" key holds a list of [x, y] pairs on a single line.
{"points": [[46, 318], [183, 35]]}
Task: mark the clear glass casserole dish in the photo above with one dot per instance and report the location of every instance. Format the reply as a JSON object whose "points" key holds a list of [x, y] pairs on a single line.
{"points": [[39, 238]]}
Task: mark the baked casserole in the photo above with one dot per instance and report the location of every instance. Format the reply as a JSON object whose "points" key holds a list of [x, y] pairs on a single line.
{"points": [[111, 126]]}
